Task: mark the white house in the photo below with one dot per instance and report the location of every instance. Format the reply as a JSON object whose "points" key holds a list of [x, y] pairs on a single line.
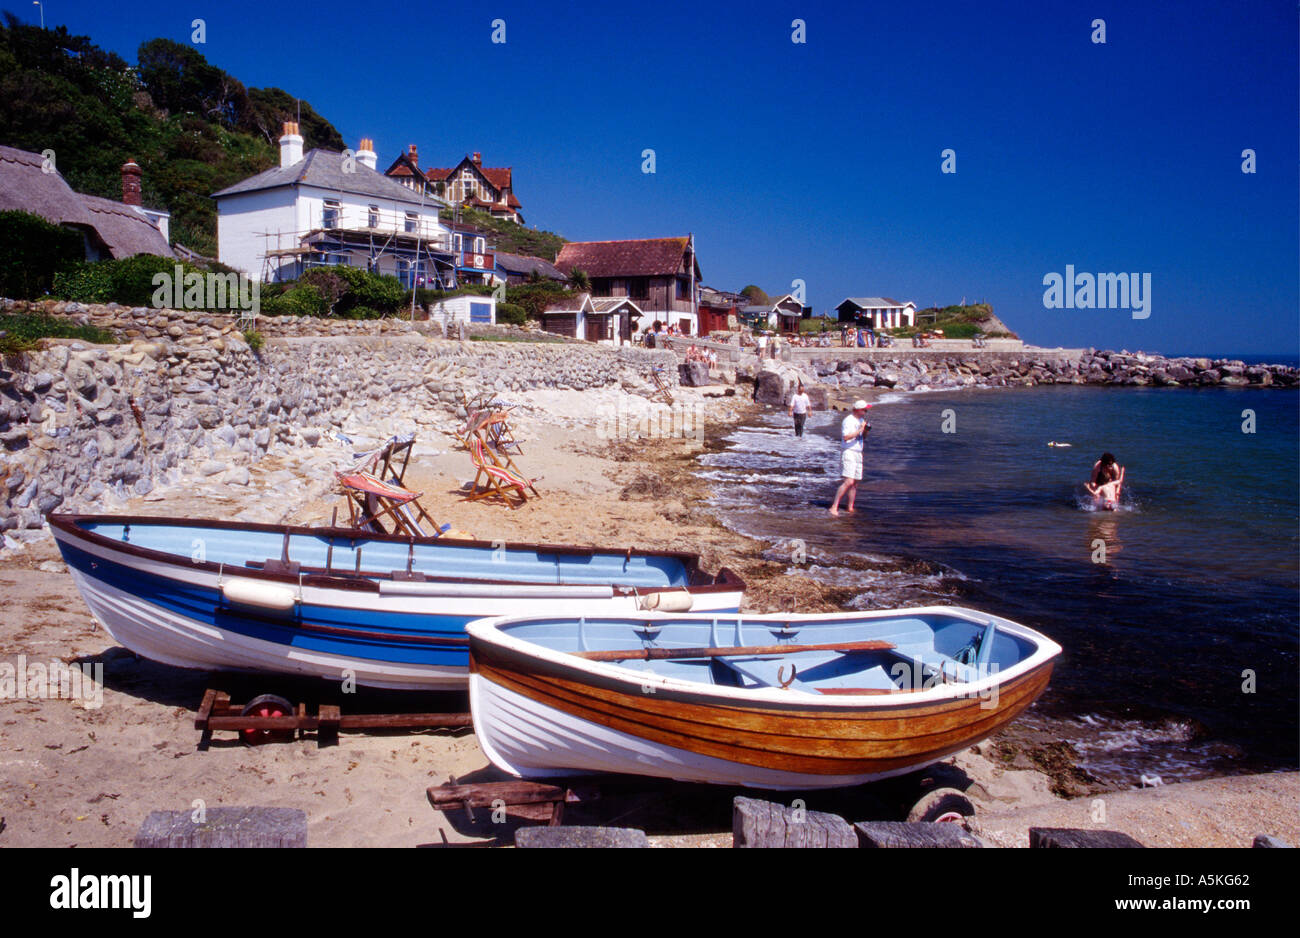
{"points": [[324, 208], [879, 312]]}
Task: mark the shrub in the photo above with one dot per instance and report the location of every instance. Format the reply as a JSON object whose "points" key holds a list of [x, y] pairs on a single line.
{"points": [[130, 281], [535, 297], [33, 252], [85, 283], [21, 331], [300, 300], [254, 339], [511, 314]]}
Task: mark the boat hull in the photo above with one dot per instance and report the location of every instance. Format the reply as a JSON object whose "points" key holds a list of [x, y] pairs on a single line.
{"points": [[404, 636], [539, 718]]}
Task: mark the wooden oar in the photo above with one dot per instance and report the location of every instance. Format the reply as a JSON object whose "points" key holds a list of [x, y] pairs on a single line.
{"points": [[650, 654]]}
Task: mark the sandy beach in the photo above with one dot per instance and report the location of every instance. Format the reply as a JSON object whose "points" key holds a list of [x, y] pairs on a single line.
{"points": [[77, 776]]}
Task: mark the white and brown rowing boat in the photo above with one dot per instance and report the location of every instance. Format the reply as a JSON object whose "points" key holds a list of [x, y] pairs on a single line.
{"points": [[778, 702]]}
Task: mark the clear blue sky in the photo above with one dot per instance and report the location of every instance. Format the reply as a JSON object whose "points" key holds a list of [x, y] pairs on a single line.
{"points": [[821, 161]]}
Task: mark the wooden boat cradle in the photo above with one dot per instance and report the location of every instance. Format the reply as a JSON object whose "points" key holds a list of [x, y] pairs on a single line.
{"points": [[533, 801]]}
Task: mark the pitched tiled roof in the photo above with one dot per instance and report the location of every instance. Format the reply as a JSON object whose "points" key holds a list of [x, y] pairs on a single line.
{"points": [[498, 176], [324, 170], [119, 227], [607, 304], [569, 304], [524, 264], [871, 302], [648, 257]]}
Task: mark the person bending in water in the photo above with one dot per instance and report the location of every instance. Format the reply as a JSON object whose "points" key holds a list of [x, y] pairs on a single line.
{"points": [[1106, 482]]}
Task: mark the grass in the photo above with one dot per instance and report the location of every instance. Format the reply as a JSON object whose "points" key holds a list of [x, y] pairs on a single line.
{"points": [[538, 337], [21, 332]]}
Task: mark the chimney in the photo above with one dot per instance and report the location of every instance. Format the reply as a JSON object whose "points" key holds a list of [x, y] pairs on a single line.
{"points": [[478, 158], [413, 155], [366, 153], [131, 183], [290, 144]]}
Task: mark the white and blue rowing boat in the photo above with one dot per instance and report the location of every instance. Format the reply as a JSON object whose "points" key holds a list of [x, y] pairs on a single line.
{"points": [[388, 611]]}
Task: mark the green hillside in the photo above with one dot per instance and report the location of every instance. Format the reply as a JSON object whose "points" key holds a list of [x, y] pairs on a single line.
{"points": [[192, 127], [511, 237], [960, 322]]}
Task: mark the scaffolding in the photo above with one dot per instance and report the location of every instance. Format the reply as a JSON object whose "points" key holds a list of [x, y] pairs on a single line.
{"points": [[412, 242]]}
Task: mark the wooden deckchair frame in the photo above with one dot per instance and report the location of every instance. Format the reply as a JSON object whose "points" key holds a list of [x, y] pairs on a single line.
{"points": [[373, 496], [484, 411], [662, 388], [497, 475]]}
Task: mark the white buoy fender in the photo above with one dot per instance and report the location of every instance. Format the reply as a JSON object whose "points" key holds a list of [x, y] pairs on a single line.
{"points": [[255, 593], [675, 601]]}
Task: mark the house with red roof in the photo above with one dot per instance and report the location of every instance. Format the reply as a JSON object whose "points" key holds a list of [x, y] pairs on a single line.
{"points": [[660, 275], [489, 189]]}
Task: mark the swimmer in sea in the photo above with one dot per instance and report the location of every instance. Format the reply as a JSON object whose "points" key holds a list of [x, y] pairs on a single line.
{"points": [[1106, 482]]}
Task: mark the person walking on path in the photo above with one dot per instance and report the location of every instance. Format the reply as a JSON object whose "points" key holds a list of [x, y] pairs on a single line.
{"points": [[800, 404], [852, 432]]}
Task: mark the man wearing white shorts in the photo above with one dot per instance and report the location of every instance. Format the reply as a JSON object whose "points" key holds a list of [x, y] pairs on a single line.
{"points": [[852, 432]]}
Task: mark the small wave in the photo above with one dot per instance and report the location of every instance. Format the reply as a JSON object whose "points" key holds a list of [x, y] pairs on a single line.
{"points": [[1087, 503], [735, 478], [1133, 753]]}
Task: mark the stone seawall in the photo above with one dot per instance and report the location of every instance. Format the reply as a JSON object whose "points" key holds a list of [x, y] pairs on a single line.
{"points": [[79, 420]]}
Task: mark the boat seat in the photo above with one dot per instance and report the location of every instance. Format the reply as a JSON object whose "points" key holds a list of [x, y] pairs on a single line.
{"points": [[928, 661], [763, 671]]}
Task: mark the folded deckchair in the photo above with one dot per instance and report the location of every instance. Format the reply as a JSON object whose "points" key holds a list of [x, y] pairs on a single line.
{"points": [[663, 390]]}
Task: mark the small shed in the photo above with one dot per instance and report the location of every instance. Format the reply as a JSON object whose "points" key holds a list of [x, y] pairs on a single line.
{"points": [[467, 308], [608, 320]]}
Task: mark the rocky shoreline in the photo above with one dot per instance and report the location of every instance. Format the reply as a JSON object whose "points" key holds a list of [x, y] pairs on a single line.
{"points": [[1033, 367]]}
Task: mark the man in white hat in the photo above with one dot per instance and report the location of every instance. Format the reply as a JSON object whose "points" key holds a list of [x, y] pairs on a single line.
{"points": [[852, 432]]}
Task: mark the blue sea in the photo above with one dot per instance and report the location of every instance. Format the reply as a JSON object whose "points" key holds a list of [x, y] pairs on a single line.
{"points": [[1178, 612]]}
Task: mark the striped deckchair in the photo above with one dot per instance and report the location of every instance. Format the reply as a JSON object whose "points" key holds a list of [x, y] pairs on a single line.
{"points": [[386, 507], [495, 478]]}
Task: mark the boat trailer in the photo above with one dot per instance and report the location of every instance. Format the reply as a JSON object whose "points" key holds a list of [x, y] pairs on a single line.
{"points": [[269, 718]]}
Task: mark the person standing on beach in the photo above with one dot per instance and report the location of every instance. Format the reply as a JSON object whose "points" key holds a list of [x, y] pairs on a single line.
{"points": [[852, 432], [800, 404]]}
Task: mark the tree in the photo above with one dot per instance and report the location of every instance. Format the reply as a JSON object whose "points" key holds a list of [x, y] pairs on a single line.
{"points": [[271, 107], [178, 79], [756, 295], [580, 279]]}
